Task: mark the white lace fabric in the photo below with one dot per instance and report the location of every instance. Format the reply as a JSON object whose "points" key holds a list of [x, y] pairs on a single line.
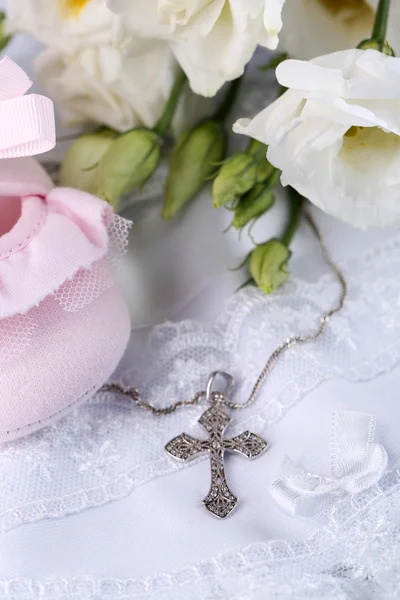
{"points": [[107, 448], [353, 557]]}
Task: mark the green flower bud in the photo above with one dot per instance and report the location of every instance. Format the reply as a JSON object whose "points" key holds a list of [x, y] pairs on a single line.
{"points": [[269, 265], [237, 176], [127, 164], [80, 165], [254, 204], [193, 161], [264, 170], [257, 149], [4, 37]]}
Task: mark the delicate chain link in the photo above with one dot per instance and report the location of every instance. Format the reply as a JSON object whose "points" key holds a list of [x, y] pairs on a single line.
{"points": [[300, 339], [134, 393]]}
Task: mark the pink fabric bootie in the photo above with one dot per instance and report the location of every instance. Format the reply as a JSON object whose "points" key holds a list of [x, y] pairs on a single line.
{"points": [[63, 322]]}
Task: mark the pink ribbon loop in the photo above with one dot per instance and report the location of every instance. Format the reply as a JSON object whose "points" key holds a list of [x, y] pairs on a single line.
{"points": [[26, 122]]}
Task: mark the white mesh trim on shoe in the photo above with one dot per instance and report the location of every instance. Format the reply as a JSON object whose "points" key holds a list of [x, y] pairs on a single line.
{"points": [[88, 284]]}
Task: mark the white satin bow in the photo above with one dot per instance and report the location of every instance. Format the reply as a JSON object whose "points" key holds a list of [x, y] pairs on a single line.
{"points": [[26, 122], [357, 463]]}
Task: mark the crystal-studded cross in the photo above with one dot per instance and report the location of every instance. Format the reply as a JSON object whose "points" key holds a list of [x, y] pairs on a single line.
{"points": [[220, 501]]}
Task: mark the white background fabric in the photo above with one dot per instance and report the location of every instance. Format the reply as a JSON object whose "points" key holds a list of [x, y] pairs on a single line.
{"points": [[149, 536]]}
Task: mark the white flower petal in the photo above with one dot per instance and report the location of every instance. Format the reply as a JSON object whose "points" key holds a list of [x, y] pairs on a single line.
{"points": [[273, 22], [200, 16], [272, 124], [313, 27], [336, 110], [202, 80], [95, 84], [213, 40], [300, 75], [64, 30], [335, 134], [93, 71]]}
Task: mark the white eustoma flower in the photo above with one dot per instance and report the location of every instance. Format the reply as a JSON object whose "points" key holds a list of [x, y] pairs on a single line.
{"points": [[315, 27], [101, 84], [92, 74], [213, 40], [335, 134], [63, 24]]}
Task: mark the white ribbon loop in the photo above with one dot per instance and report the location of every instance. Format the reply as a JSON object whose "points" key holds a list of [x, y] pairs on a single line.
{"points": [[357, 463], [26, 122]]}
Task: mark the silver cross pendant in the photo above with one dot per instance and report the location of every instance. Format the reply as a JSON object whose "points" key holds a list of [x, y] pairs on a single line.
{"points": [[220, 501]]}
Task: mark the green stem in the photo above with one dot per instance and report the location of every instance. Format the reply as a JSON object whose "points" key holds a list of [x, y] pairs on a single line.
{"points": [[229, 100], [296, 202], [4, 39], [274, 178], [381, 23], [164, 122], [274, 62], [257, 149]]}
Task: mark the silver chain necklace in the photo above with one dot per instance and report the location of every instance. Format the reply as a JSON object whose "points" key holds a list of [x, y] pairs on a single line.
{"points": [[220, 500]]}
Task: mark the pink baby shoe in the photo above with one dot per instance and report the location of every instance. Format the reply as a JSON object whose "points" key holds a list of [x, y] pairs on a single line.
{"points": [[63, 322]]}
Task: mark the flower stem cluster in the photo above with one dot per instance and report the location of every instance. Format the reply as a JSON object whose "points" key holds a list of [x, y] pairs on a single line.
{"points": [[197, 155], [111, 165], [332, 134], [240, 173]]}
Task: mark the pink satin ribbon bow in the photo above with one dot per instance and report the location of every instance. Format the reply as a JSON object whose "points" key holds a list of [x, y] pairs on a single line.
{"points": [[26, 122]]}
